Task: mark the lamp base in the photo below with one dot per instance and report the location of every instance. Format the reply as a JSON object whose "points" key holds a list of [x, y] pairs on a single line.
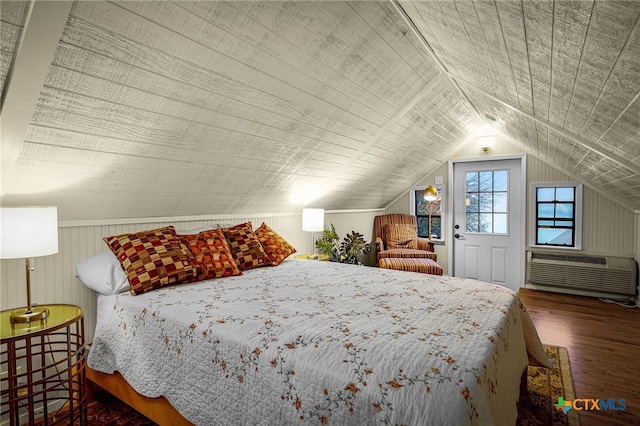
{"points": [[24, 315]]}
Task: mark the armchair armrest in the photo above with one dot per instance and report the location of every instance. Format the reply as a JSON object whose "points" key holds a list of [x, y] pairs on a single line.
{"points": [[379, 245], [425, 244]]}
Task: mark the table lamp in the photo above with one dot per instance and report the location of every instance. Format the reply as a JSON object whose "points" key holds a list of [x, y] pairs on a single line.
{"points": [[313, 221], [27, 232]]}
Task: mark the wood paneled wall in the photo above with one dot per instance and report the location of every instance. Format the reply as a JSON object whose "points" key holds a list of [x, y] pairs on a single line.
{"points": [[608, 227], [637, 234], [54, 280]]}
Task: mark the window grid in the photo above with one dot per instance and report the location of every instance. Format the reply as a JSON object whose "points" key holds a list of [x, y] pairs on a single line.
{"points": [[555, 216], [486, 202], [422, 216]]}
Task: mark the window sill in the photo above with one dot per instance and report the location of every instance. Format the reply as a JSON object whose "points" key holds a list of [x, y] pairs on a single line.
{"points": [[544, 247]]}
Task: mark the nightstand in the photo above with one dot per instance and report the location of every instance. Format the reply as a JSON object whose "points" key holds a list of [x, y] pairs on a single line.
{"points": [[42, 365]]}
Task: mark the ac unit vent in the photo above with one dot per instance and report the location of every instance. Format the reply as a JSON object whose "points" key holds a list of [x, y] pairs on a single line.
{"points": [[593, 260], [600, 276]]}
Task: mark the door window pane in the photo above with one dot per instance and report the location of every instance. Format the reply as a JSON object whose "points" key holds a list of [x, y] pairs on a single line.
{"points": [[486, 222], [500, 223], [500, 180], [500, 202], [472, 223], [485, 181], [472, 181], [486, 202], [472, 202]]}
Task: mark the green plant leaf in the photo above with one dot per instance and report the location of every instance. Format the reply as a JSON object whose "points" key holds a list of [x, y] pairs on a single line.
{"points": [[350, 250]]}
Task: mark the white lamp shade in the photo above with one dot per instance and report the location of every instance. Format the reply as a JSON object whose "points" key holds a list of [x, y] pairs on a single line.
{"points": [[430, 193], [485, 136], [313, 220], [28, 232], [486, 141]]}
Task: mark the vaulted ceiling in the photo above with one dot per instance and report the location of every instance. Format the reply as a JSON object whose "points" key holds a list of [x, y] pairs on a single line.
{"points": [[159, 108]]}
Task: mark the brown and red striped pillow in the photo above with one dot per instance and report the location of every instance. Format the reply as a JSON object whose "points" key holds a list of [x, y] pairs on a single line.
{"points": [[400, 235]]}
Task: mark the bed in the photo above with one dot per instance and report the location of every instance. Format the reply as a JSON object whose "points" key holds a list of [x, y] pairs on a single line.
{"points": [[320, 343]]}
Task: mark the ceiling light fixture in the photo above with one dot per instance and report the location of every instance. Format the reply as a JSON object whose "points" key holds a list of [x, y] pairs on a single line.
{"points": [[485, 137]]}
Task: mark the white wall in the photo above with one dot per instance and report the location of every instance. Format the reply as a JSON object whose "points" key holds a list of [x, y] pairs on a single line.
{"points": [[54, 280]]}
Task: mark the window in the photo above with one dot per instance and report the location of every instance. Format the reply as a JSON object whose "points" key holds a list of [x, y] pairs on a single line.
{"points": [[420, 208], [486, 200], [556, 215]]}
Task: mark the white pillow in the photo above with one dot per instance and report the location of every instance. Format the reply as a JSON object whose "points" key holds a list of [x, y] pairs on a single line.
{"points": [[194, 231], [103, 273]]}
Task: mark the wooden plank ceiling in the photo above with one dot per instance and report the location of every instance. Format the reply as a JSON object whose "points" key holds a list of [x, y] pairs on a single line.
{"points": [[163, 108]]}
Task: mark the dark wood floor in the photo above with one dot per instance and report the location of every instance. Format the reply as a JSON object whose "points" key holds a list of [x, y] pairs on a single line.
{"points": [[603, 341]]}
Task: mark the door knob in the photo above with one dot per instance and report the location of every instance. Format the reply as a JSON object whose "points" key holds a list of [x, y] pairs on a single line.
{"points": [[457, 235]]}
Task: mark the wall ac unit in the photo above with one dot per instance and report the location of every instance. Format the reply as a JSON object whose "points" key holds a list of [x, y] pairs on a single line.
{"points": [[588, 275]]}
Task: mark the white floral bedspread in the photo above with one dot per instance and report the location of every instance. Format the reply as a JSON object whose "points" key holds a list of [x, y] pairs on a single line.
{"points": [[323, 343]]}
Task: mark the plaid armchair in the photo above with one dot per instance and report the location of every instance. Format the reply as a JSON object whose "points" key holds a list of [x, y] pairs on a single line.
{"points": [[399, 238]]}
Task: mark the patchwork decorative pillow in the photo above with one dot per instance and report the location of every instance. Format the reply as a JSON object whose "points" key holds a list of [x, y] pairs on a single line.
{"points": [[275, 247], [400, 235], [245, 247], [153, 259], [212, 253]]}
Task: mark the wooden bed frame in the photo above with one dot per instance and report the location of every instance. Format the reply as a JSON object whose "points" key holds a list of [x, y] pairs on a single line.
{"points": [[157, 409]]}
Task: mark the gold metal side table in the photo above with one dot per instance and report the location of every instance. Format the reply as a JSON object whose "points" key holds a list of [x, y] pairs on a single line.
{"points": [[43, 369], [312, 256]]}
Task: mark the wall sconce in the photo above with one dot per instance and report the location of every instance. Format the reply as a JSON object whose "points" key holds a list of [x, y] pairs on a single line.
{"points": [[485, 136]]}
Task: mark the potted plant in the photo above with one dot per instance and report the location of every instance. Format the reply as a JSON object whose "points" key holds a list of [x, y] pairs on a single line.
{"points": [[350, 250]]}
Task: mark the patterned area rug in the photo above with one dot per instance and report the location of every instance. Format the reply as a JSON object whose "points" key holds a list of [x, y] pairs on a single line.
{"points": [[536, 408], [545, 385]]}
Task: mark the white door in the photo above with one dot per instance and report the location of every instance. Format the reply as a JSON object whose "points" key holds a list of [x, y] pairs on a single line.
{"points": [[488, 205]]}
